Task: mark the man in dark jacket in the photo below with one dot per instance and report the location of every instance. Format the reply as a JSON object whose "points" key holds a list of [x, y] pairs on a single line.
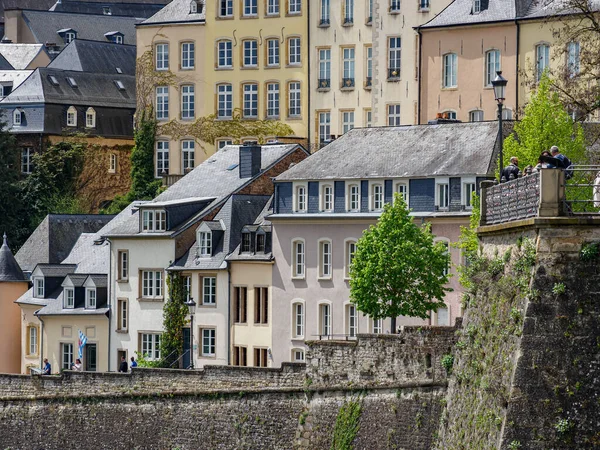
{"points": [[565, 163], [511, 169], [123, 365]]}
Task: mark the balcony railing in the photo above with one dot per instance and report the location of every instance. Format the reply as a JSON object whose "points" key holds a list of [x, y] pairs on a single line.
{"points": [[169, 180], [369, 82], [513, 200], [393, 73], [347, 83], [324, 83]]}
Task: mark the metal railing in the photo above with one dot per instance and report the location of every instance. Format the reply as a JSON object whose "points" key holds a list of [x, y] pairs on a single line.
{"points": [[581, 190], [513, 200], [369, 82], [347, 82], [334, 337], [393, 73], [324, 83]]}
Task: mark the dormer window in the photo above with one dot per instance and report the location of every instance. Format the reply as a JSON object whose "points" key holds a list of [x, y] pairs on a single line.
{"points": [[71, 117], [260, 242], [195, 7], [476, 6], [90, 118], [38, 288], [106, 10], [17, 117], [90, 298], [68, 35], [300, 198], [246, 242], [154, 220], [205, 243], [69, 298], [114, 36]]}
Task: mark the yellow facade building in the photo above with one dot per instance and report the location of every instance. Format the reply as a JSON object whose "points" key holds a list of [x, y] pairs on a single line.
{"points": [[241, 60]]}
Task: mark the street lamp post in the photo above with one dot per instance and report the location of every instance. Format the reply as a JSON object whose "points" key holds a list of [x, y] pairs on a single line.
{"points": [[191, 304], [499, 84]]}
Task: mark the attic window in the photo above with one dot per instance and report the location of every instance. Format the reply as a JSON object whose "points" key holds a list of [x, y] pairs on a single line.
{"points": [[193, 7], [68, 35], [120, 85], [106, 10], [72, 82], [114, 36], [17, 116], [233, 166], [53, 80], [476, 6], [246, 242], [119, 70]]}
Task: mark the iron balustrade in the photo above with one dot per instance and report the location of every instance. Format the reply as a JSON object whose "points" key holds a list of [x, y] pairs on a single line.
{"points": [[393, 73], [369, 82], [347, 82], [324, 83], [513, 200]]}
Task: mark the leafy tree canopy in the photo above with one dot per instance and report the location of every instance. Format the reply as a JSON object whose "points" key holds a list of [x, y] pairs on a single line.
{"points": [[544, 124], [398, 270]]}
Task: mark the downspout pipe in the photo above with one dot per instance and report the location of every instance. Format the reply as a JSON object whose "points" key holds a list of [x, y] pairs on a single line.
{"points": [[419, 77]]}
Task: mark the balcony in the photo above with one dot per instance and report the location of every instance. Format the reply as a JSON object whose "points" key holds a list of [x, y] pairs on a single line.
{"points": [[347, 83], [324, 84], [368, 82], [394, 74], [170, 180]]}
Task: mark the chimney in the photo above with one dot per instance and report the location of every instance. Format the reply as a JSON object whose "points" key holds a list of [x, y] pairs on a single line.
{"points": [[250, 159]]}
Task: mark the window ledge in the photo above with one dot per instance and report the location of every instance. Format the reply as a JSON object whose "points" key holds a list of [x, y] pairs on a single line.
{"points": [[260, 325], [272, 118], [207, 357], [323, 25], [323, 89], [347, 89], [368, 88], [272, 16], [123, 280], [298, 338], [394, 12], [453, 88], [249, 68], [394, 79], [225, 17], [294, 118], [241, 323], [224, 68], [207, 306], [348, 24], [299, 278], [145, 299], [328, 278], [273, 67], [186, 69], [252, 16], [423, 10], [122, 331], [293, 65]]}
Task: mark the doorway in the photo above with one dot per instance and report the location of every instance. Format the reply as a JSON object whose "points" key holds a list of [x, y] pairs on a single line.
{"points": [[91, 361]]}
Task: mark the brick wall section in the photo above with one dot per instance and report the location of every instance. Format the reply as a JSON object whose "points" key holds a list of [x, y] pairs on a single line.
{"points": [[413, 356]]}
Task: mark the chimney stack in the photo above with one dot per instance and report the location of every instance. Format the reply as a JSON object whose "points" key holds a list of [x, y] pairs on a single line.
{"points": [[250, 159]]}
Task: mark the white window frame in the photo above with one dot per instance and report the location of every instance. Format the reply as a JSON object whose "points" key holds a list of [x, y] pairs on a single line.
{"points": [[439, 199], [250, 8], [348, 12], [465, 191], [298, 318], [250, 52], [273, 7], [446, 242], [112, 163], [493, 63], [69, 298], [162, 102], [39, 287], [294, 51], [123, 267], [325, 13], [227, 6], [205, 243], [90, 118], [17, 117], [394, 55], [188, 149], [298, 259], [224, 54], [250, 100], [347, 120], [348, 63], [91, 298], [151, 343], [162, 158], [151, 283], [450, 71], [26, 160], [325, 246], [209, 290], [394, 118], [351, 320], [542, 59], [300, 197], [123, 314], [476, 6], [154, 220], [72, 116], [327, 197], [573, 58], [402, 188], [273, 53], [298, 351], [324, 318], [377, 326], [273, 100], [507, 114], [376, 196], [476, 115], [162, 56], [349, 245], [451, 114], [188, 102], [33, 340], [221, 143], [324, 126], [294, 7], [294, 99], [209, 341], [66, 350], [225, 98], [188, 55], [349, 195]]}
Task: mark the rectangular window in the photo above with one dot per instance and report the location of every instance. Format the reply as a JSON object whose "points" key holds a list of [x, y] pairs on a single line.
{"points": [[376, 197], [347, 121], [492, 65], [443, 317], [350, 252], [187, 287], [301, 199], [449, 70], [240, 356], [261, 305], [39, 287], [162, 56], [152, 283], [348, 12], [225, 101], [71, 117], [209, 291], [245, 246], [272, 7], [90, 118], [295, 108], [573, 58], [297, 355], [188, 102], [348, 67], [122, 315], [188, 55], [325, 320], [394, 6], [369, 12], [324, 127], [33, 340], [188, 149], [154, 220], [90, 298], [250, 53], [225, 8], [295, 6], [69, 294], [26, 160], [260, 357], [162, 103], [377, 326], [368, 118], [112, 163], [394, 115], [468, 190], [273, 52], [442, 195], [272, 100], [260, 242], [402, 189], [394, 57], [369, 80], [325, 259], [354, 198], [66, 351], [123, 269], [327, 198], [250, 8], [298, 309], [294, 51], [223, 143], [150, 347], [352, 321], [250, 101], [225, 54], [240, 302], [324, 68], [298, 250], [205, 244], [325, 12]]}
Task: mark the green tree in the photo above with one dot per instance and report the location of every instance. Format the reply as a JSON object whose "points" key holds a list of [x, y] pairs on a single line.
{"points": [[398, 269], [545, 123], [175, 314], [468, 242]]}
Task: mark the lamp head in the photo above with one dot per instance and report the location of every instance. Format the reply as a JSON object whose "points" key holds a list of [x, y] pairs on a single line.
{"points": [[499, 83]]}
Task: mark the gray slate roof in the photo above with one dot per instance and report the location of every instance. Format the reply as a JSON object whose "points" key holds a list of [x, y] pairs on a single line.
{"points": [[238, 211], [133, 8], [77, 279], [176, 11], [45, 24], [15, 76], [4, 64], [406, 151], [261, 220], [210, 179], [97, 57], [93, 89], [9, 268], [20, 55], [56, 270], [459, 12], [54, 238]]}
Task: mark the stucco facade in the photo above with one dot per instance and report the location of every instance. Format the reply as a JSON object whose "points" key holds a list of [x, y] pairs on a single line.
{"points": [[10, 324], [30, 359], [468, 95]]}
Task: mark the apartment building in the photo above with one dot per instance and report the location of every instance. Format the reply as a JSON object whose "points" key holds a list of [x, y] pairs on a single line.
{"points": [[239, 60]]}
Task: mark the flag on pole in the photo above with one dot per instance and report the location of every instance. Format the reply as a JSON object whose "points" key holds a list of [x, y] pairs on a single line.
{"points": [[82, 342]]}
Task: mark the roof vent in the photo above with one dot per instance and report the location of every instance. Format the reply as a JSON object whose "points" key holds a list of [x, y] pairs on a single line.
{"points": [[53, 80], [120, 85], [72, 82]]}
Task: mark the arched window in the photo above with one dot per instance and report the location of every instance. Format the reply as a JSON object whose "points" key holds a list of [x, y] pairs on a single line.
{"points": [[90, 118], [298, 320], [349, 256], [298, 252], [351, 320], [325, 259], [325, 328], [17, 116], [476, 116], [450, 70], [71, 117], [492, 65]]}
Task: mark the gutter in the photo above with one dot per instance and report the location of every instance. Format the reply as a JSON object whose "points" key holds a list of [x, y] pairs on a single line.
{"points": [[172, 22], [42, 339]]}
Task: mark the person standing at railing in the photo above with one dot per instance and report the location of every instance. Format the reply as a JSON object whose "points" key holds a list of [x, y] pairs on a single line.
{"points": [[565, 163], [543, 162], [511, 171]]}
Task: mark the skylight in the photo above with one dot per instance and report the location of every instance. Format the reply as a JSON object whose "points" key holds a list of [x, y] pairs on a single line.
{"points": [[119, 70], [120, 85], [72, 82], [233, 166], [53, 80]]}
